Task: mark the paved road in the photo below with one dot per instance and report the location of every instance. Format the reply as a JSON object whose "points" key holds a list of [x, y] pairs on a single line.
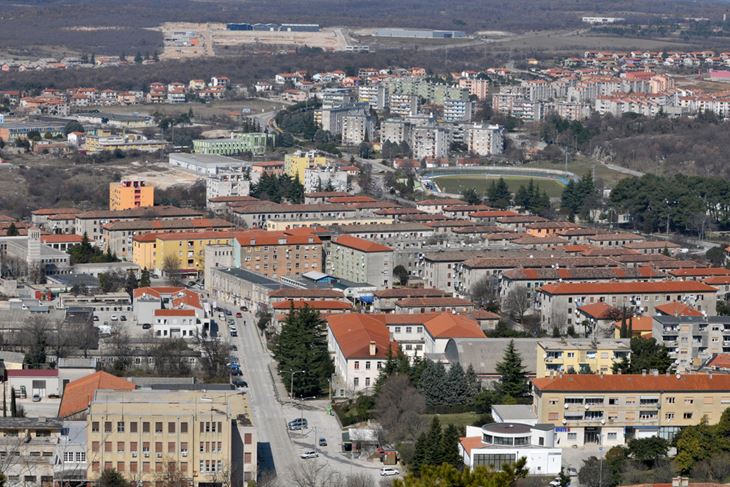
{"points": [[279, 449]]}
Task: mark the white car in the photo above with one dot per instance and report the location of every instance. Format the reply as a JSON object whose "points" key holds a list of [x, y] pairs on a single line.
{"points": [[389, 472], [114, 318], [308, 454]]}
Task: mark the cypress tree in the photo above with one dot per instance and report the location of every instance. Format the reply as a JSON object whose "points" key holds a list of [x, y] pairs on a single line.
{"points": [[450, 447], [433, 448], [13, 406], [513, 380], [457, 389], [419, 454], [144, 280]]}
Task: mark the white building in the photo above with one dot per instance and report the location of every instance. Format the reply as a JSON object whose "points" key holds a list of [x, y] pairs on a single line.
{"points": [[430, 141], [233, 181], [494, 445], [357, 128], [485, 140], [316, 178], [457, 110]]}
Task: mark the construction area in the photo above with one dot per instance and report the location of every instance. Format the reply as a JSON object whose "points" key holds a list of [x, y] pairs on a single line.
{"points": [[190, 40]]}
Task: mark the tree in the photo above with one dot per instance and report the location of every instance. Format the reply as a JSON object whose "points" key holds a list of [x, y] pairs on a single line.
{"points": [[302, 346], [471, 197], [401, 273], [213, 357], [131, 283], [646, 354], [398, 408], [450, 447], [517, 303], [72, 126], [716, 256], [144, 280], [498, 194], [36, 337], [138, 58], [264, 319], [648, 450], [12, 230], [433, 384], [448, 475], [110, 282], [171, 270], [112, 478], [595, 473], [513, 380], [485, 292]]}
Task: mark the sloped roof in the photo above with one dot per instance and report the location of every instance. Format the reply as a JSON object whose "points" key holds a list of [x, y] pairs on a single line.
{"points": [[449, 325], [354, 332], [633, 383], [361, 244], [676, 308], [598, 311], [569, 288], [79, 393]]}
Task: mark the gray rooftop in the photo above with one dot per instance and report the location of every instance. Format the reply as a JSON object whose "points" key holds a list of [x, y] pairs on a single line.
{"points": [[31, 423], [676, 320], [483, 354], [207, 159], [513, 412], [253, 277]]}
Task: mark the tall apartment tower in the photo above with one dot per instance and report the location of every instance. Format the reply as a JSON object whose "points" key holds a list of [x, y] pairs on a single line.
{"points": [[34, 246], [130, 193]]}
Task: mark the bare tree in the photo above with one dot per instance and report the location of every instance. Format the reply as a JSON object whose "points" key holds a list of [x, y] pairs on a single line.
{"points": [[398, 408], [213, 356], [35, 336], [358, 480], [120, 349], [484, 292], [517, 303], [171, 270], [314, 474]]}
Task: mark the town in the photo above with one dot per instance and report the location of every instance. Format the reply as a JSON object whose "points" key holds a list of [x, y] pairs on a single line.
{"points": [[375, 275]]}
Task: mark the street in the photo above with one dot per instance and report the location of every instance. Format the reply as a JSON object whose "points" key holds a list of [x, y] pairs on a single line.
{"points": [[278, 449]]}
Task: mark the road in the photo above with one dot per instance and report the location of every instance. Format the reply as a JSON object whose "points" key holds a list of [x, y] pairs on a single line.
{"points": [[279, 449]]}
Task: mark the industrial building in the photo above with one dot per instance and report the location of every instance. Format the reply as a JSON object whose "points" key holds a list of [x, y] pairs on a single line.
{"points": [[420, 33]]}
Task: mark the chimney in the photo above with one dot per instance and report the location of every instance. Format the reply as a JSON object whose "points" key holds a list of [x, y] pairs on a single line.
{"points": [[373, 348], [654, 371], [643, 372]]}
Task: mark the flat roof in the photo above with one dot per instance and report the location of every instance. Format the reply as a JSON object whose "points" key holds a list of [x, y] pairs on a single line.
{"points": [[511, 412], [252, 277], [207, 159]]}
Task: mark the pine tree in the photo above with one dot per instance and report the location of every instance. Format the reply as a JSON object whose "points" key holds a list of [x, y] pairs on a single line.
{"points": [[144, 280], [513, 380], [499, 195], [419, 454], [522, 198], [12, 230], [433, 385], [457, 390], [472, 383], [433, 448], [131, 283], [450, 447], [138, 58]]}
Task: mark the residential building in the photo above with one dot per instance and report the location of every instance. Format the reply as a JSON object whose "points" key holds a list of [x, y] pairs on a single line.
{"points": [[558, 302], [361, 261], [692, 340], [277, 254], [230, 182], [259, 215], [497, 444], [318, 177], [206, 437], [296, 163], [78, 394], [485, 140], [207, 164], [11, 131], [580, 356], [359, 345], [130, 193], [69, 459], [28, 446], [151, 250], [458, 110], [429, 142], [610, 410], [426, 334], [95, 144], [254, 143], [434, 304], [240, 287], [357, 128]]}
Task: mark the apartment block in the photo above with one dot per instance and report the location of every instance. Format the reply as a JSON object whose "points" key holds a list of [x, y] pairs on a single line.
{"points": [[257, 216], [580, 356], [357, 128], [229, 182], [130, 193], [558, 302], [485, 140], [456, 110], [238, 143], [277, 254], [429, 142], [361, 261], [296, 163], [150, 250], [28, 446], [692, 340], [609, 410], [205, 437]]}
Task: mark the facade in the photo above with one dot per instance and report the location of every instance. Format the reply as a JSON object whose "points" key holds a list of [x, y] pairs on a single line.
{"points": [[152, 249], [254, 143], [95, 144], [295, 164], [129, 193], [692, 340], [429, 142], [206, 164], [494, 445], [580, 356], [28, 446], [277, 254], [205, 437], [484, 140], [232, 182], [610, 410], [357, 128], [362, 261], [318, 177]]}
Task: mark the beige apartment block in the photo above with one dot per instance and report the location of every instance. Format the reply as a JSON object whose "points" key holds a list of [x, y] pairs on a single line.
{"points": [[149, 436]]}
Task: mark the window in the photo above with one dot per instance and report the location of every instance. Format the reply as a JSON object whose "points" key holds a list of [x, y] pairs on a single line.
{"points": [[397, 329], [120, 466], [94, 446], [107, 426], [572, 436], [171, 427], [611, 436], [107, 446], [120, 426], [669, 416], [133, 446], [247, 438], [146, 446], [687, 415], [146, 467], [409, 329], [132, 467], [145, 427], [493, 460], [367, 365], [158, 427], [133, 427], [367, 381], [671, 400], [357, 365], [183, 427], [158, 446], [120, 446], [94, 426], [356, 381]]}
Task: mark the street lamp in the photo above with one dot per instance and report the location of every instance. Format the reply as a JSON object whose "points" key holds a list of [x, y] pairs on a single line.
{"points": [[292, 373]]}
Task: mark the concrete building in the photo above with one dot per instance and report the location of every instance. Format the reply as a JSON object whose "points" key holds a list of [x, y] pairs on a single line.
{"points": [[206, 164], [33, 255], [235, 181], [485, 140], [277, 254], [95, 144], [258, 215], [318, 177], [296, 163], [28, 446], [692, 340], [456, 110], [610, 410], [494, 445], [240, 287], [580, 356], [205, 437], [151, 250], [357, 128], [558, 302], [130, 193], [362, 261], [254, 143], [429, 142]]}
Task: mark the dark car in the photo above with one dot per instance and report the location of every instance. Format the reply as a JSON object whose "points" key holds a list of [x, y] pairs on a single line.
{"points": [[227, 312], [234, 348], [239, 315], [236, 372], [146, 326], [323, 442]]}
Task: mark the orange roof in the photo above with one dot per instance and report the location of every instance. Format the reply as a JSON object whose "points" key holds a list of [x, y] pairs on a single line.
{"points": [[717, 280], [469, 443], [54, 211], [78, 394], [253, 238], [61, 238], [439, 202], [639, 324], [187, 297], [720, 361], [361, 244], [700, 271], [174, 312], [675, 308], [568, 288], [493, 213], [321, 304], [193, 235], [633, 383], [448, 325], [416, 302], [155, 291], [599, 311], [354, 332], [351, 199]]}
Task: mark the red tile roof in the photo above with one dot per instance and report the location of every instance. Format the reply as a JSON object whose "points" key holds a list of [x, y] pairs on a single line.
{"points": [[155, 291], [598, 311], [568, 288], [174, 312], [448, 325], [33, 373], [322, 304], [304, 293], [78, 394], [675, 308], [354, 332], [253, 238], [61, 238], [350, 199], [633, 383], [717, 280], [417, 302], [469, 443], [361, 244], [720, 361], [700, 272], [639, 324]]}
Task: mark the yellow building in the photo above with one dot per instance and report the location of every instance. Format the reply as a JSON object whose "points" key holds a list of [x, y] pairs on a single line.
{"points": [[149, 436], [150, 250], [295, 164], [610, 410], [579, 356], [128, 194], [95, 144]]}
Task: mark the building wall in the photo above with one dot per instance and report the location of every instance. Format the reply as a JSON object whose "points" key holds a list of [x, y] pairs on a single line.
{"points": [[375, 268], [278, 260], [599, 359], [295, 164], [130, 194]]}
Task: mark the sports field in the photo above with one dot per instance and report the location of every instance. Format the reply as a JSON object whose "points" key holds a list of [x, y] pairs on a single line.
{"points": [[456, 184]]}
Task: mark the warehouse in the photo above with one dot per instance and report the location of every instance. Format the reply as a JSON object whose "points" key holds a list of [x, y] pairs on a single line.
{"points": [[420, 33]]}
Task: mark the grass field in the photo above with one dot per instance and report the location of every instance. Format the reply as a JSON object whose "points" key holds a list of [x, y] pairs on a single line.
{"points": [[456, 184], [457, 419], [581, 166]]}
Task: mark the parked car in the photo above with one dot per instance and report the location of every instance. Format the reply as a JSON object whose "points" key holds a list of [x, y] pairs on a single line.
{"points": [[114, 317], [36, 398], [572, 472], [123, 318], [323, 442], [234, 348], [240, 385], [233, 331], [389, 472], [227, 312], [298, 424], [309, 454], [239, 315], [96, 318], [244, 308], [236, 372], [146, 326]]}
